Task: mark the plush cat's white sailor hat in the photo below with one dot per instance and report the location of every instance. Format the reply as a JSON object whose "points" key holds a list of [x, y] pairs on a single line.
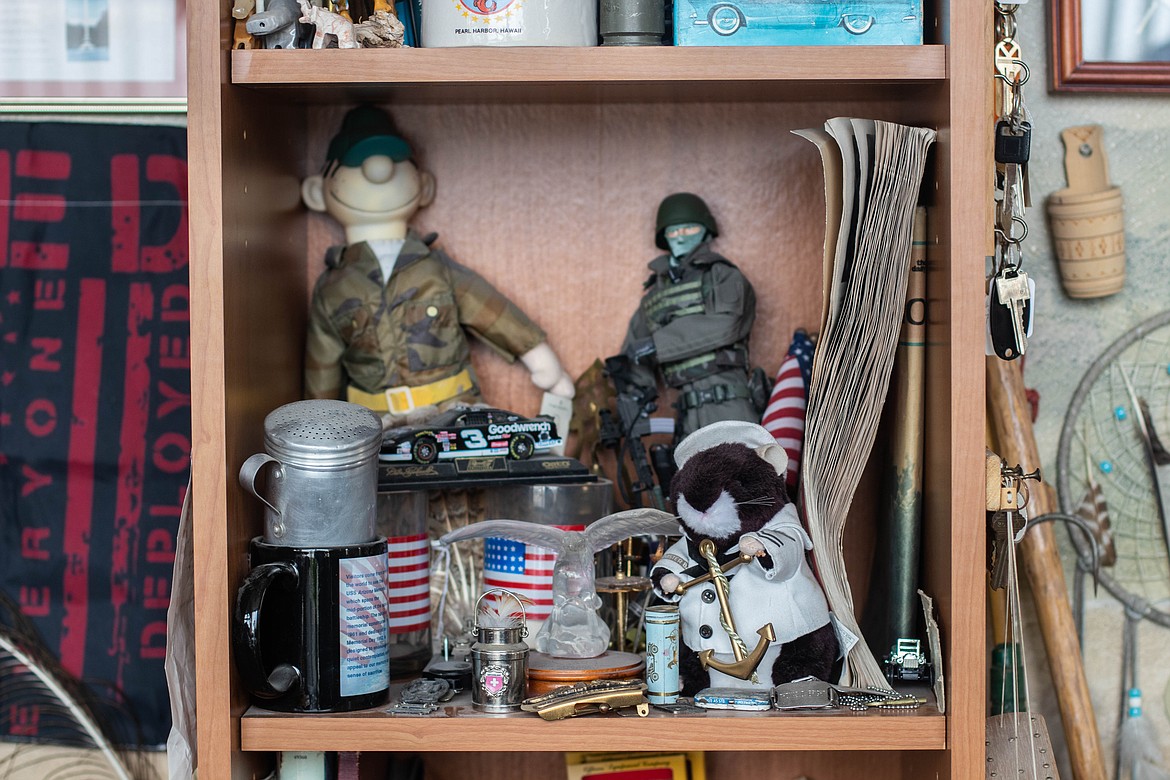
{"points": [[733, 432]]}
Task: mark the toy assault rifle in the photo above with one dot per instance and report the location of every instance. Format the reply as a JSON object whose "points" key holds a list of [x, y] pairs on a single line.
{"points": [[624, 436]]}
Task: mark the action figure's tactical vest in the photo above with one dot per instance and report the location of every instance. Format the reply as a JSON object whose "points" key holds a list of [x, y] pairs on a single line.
{"points": [[682, 299]]}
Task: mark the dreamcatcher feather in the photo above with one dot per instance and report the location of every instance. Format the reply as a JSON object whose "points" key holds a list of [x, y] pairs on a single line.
{"points": [[1095, 512], [1138, 755], [32, 680], [1138, 749]]}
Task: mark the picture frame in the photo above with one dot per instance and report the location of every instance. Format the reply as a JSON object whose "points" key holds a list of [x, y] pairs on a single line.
{"points": [[1080, 66], [96, 56]]}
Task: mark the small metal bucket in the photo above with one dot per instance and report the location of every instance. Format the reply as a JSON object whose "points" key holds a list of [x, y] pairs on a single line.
{"points": [[499, 663], [322, 487]]}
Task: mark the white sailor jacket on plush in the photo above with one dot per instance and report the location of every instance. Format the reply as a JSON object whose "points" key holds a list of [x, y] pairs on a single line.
{"points": [[787, 595]]}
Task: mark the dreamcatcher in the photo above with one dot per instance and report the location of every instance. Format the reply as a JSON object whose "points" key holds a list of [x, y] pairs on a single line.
{"points": [[34, 687], [1114, 474]]}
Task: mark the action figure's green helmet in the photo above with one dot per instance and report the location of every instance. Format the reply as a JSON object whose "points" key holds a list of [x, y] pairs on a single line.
{"points": [[679, 208], [365, 131]]}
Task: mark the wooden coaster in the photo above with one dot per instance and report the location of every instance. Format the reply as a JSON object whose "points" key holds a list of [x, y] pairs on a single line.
{"points": [[545, 672]]}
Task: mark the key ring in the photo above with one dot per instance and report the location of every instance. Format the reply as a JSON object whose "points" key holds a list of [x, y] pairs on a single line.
{"points": [[1005, 22]]}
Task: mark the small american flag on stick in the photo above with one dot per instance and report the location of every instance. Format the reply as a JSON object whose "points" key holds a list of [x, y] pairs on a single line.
{"points": [[784, 416]]}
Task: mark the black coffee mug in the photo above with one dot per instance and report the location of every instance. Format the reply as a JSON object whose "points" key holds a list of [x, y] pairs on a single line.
{"points": [[311, 627]]}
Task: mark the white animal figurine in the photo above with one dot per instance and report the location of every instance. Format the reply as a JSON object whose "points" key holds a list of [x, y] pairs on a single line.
{"points": [[328, 23]]}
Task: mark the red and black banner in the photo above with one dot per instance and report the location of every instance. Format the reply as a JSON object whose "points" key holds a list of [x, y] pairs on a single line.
{"points": [[94, 397]]}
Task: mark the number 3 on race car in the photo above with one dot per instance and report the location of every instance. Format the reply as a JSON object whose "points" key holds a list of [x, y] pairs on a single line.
{"points": [[473, 438]]}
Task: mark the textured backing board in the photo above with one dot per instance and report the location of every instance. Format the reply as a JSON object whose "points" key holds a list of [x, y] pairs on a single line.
{"points": [[1014, 752], [555, 205]]}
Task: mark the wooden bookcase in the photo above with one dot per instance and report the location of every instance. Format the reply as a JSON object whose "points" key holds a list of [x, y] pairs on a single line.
{"points": [[550, 163]]}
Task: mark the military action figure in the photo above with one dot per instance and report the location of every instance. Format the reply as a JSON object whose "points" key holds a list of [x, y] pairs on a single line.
{"points": [[693, 323], [390, 314]]}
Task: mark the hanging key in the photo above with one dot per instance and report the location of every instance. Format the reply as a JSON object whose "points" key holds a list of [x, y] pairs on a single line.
{"points": [[1008, 58], [1010, 312], [1009, 70], [1013, 141], [1016, 295], [1011, 207]]}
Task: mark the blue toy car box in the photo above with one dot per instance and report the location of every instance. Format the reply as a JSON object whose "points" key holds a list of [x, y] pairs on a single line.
{"points": [[797, 22]]}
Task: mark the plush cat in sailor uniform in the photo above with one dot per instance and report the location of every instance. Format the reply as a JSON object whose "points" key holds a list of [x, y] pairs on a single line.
{"points": [[730, 489]]}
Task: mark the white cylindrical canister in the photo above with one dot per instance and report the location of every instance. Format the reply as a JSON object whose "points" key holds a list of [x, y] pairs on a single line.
{"points": [[509, 23], [662, 626]]}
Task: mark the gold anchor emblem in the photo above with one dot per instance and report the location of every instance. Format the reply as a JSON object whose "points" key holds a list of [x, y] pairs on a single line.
{"points": [[745, 663]]}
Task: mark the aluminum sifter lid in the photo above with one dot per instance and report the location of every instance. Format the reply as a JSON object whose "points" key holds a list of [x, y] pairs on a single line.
{"points": [[322, 433]]}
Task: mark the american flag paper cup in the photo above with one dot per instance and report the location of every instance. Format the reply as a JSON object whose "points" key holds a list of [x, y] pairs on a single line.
{"points": [[409, 578], [523, 569]]}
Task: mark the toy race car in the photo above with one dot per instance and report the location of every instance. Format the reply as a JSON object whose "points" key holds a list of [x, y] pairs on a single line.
{"points": [[470, 432]]}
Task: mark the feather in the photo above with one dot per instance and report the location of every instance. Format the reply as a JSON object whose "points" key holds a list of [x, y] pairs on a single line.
{"points": [[597, 536], [1095, 513], [33, 681], [517, 530], [1138, 746], [500, 611], [632, 522], [1161, 456], [1154, 456]]}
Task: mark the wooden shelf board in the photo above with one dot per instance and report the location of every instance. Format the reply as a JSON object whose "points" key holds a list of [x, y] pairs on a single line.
{"points": [[465, 730], [588, 74]]}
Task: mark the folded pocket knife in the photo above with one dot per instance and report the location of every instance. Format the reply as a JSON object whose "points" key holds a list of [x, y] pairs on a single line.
{"points": [[589, 697]]}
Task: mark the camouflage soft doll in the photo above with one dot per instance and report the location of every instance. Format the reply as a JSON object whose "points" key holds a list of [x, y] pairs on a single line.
{"points": [[390, 314]]}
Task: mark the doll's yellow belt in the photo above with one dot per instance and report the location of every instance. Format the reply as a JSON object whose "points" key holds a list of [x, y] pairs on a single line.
{"points": [[404, 399]]}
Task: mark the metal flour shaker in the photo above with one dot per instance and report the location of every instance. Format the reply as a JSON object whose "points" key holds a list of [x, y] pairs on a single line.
{"points": [[499, 659], [321, 464]]}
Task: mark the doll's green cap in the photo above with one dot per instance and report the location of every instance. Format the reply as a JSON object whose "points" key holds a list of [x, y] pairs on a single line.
{"points": [[366, 131]]}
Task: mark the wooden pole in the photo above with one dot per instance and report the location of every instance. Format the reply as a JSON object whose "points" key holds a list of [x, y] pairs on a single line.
{"points": [[1011, 422]]}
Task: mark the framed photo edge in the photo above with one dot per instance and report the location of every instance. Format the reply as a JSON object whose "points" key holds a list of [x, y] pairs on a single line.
{"points": [[105, 97], [1072, 73]]}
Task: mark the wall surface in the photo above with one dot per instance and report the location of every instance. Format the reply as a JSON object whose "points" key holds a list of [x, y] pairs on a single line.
{"points": [[1070, 334]]}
